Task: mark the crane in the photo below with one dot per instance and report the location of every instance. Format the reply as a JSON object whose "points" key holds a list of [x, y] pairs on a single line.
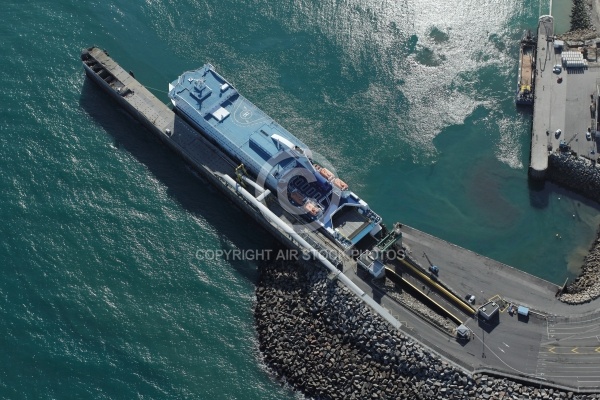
{"points": [[434, 269], [564, 146]]}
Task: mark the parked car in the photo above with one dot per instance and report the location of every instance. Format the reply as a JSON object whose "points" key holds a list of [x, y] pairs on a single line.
{"points": [[470, 298], [434, 269]]}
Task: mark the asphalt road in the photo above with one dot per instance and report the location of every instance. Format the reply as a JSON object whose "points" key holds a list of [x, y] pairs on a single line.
{"points": [[558, 342], [570, 351]]}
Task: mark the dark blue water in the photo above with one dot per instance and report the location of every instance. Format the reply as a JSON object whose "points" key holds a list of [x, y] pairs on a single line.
{"points": [[102, 295]]}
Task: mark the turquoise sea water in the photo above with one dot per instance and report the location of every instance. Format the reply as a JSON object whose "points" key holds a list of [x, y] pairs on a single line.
{"points": [[102, 295], [561, 10]]}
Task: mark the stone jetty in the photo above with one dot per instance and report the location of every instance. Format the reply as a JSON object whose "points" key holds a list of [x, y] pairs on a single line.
{"points": [[327, 344]]}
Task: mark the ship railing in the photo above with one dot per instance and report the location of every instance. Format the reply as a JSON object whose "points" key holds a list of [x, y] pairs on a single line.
{"points": [[373, 216]]}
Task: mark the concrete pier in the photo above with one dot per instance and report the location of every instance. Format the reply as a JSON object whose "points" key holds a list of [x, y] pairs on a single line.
{"points": [[563, 107], [545, 110]]}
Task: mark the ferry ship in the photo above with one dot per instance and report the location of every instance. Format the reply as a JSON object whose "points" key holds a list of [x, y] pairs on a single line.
{"points": [[525, 83], [273, 157]]}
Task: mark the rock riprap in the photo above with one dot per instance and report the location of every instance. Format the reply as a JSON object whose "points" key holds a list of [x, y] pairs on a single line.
{"points": [[578, 175], [587, 285]]}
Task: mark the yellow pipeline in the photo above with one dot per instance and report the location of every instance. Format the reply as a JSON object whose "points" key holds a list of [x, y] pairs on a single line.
{"points": [[459, 302], [404, 281]]}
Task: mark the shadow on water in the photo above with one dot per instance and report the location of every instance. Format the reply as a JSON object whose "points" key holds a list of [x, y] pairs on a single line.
{"points": [[540, 192], [190, 190], [539, 196], [525, 112]]}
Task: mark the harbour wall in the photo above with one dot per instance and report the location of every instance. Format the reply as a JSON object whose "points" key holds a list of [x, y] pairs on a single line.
{"points": [[538, 156], [576, 174]]}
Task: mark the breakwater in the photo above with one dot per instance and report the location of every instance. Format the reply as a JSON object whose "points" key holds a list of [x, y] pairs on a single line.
{"points": [[580, 176], [319, 338]]}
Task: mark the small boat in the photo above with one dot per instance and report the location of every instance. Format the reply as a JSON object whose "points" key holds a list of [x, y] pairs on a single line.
{"points": [[327, 174]]}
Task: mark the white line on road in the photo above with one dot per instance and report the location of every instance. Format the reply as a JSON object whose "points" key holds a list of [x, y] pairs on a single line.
{"points": [[505, 344]]}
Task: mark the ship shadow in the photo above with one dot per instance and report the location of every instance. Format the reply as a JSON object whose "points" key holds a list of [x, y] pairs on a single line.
{"points": [[190, 190], [524, 111]]}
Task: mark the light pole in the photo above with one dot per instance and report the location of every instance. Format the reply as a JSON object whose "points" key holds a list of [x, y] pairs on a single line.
{"points": [[482, 343]]}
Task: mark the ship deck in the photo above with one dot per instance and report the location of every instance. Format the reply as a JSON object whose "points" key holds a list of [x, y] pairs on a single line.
{"points": [[525, 77], [210, 100]]}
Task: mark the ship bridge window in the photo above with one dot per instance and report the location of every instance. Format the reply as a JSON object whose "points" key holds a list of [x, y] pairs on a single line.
{"points": [[220, 114]]}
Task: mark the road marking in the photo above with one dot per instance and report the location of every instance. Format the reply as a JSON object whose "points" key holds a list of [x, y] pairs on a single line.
{"points": [[501, 349], [495, 298], [580, 350], [505, 344]]}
